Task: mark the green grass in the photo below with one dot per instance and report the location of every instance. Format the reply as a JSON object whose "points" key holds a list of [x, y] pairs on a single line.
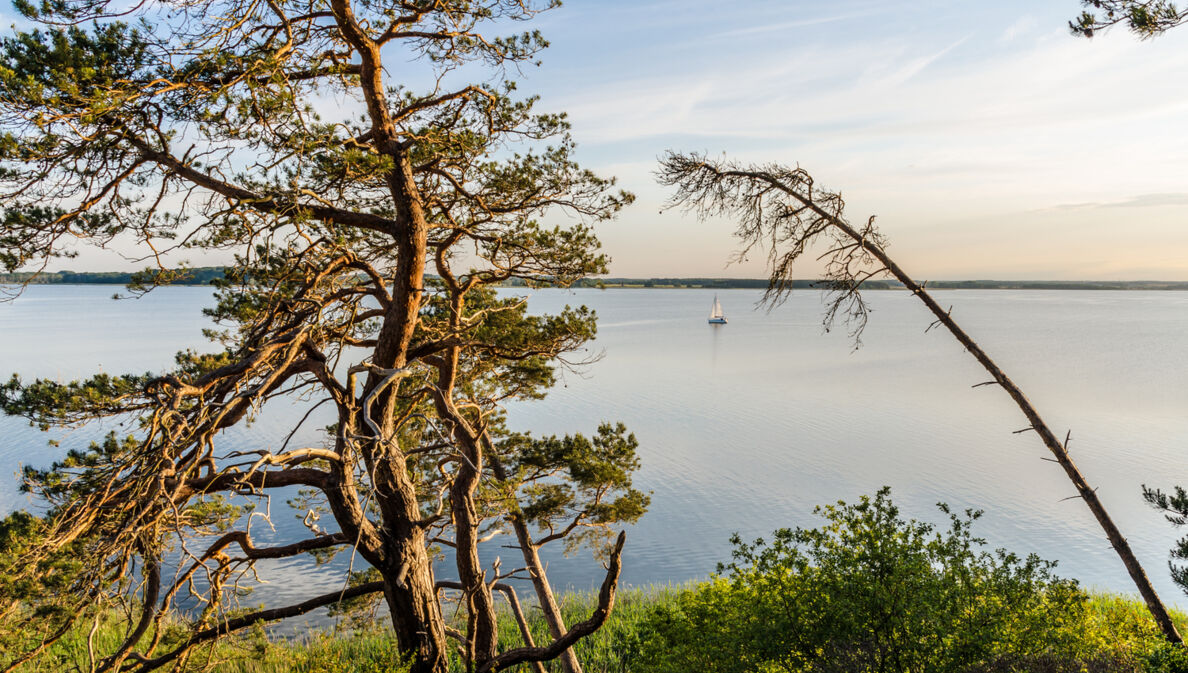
{"points": [[1119, 628], [371, 648]]}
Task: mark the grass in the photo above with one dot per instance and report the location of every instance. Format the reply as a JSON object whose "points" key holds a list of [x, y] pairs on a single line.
{"points": [[372, 650], [369, 646], [1119, 627]]}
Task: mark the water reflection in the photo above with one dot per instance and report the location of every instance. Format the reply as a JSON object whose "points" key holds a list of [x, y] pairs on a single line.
{"points": [[715, 343]]}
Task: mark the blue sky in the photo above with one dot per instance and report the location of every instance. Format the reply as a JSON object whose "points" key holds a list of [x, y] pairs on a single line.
{"points": [[988, 140]]}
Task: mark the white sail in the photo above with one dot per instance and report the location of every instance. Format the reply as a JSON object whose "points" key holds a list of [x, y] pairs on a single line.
{"points": [[716, 315]]}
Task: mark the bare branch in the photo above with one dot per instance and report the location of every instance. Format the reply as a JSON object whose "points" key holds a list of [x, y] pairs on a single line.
{"points": [[238, 623], [606, 603]]}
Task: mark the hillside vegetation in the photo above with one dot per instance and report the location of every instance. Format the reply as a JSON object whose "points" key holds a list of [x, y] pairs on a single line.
{"points": [[866, 591]]}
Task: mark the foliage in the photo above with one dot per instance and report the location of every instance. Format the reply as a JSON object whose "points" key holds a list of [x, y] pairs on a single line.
{"points": [[370, 648], [1145, 18], [1167, 658], [872, 591], [1174, 506], [340, 152], [1116, 635]]}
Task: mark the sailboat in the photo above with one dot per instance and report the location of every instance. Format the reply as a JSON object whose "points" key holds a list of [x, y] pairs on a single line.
{"points": [[716, 316]]}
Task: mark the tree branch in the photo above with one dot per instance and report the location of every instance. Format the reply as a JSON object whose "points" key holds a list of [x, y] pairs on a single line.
{"points": [[269, 205], [274, 614], [606, 603]]}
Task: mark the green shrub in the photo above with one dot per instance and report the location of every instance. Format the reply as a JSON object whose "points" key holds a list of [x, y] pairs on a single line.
{"points": [[1167, 658], [872, 591], [867, 591]]}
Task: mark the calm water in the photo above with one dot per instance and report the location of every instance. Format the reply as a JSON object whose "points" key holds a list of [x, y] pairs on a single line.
{"points": [[746, 427]]}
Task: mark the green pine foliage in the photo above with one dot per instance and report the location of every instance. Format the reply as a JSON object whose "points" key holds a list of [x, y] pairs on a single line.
{"points": [[1174, 506], [371, 208], [1145, 18]]}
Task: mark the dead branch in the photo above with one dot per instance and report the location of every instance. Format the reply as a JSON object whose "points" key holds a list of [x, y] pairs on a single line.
{"points": [[606, 603], [271, 615]]}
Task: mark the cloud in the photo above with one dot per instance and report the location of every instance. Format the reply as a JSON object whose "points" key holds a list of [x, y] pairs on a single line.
{"points": [[1140, 201], [948, 135], [783, 26], [955, 123], [1024, 25], [915, 66]]}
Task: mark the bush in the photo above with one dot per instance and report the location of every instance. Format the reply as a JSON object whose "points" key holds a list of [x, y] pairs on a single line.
{"points": [[871, 591], [867, 591], [1167, 658]]}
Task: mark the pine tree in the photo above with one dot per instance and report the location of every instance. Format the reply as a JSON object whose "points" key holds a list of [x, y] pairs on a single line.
{"points": [[372, 199]]}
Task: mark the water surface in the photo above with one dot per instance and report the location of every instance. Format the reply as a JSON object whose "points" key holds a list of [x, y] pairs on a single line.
{"points": [[746, 427]]}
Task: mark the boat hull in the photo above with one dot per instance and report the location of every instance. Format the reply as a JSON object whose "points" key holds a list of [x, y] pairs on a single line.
{"points": [[717, 321]]}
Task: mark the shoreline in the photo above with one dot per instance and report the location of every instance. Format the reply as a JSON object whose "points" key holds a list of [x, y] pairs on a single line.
{"points": [[13, 280]]}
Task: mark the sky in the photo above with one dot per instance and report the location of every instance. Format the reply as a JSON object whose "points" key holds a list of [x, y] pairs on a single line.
{"points": [[988, 141]]}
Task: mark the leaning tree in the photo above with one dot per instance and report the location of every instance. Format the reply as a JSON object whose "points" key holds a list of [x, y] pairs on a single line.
{"points": [[783, 210], [371, 196]]}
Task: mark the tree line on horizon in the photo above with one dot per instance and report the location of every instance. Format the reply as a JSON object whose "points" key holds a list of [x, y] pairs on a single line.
{"points": [[207, 275]]}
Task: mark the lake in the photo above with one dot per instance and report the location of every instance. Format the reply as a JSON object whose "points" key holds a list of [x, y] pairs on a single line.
{"points": [[746, 427]]}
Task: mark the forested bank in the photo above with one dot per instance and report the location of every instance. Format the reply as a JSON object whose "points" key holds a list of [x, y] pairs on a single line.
{"points": [[204, 276], [197, 276]]}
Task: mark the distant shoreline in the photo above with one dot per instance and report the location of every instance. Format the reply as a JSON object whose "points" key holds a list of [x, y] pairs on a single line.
{"points": [[204, 275], [761, 284]]}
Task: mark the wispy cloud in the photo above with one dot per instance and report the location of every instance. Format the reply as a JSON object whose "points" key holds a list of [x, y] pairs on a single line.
{"points": [[784, 26], [1140, 201], [1045, 101], [1024, 25], [957, 125], [914, 66]]}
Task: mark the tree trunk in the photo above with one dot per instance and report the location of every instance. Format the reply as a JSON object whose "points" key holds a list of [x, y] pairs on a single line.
{"points": [[1059, 450], [414, 609], [540, 582], [544, 593], [681, 170], [407, 570], [482, 629]]}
